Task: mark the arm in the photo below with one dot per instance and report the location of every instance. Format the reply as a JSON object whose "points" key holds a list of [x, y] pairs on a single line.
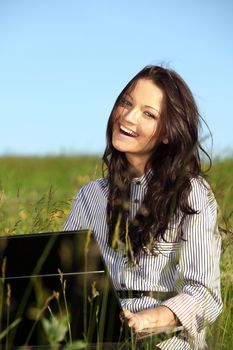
{"points": [[73, 221], [88, 207], [199, 299], [197, 280]]}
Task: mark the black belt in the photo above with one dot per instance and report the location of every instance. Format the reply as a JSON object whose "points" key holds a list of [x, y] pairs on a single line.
{"points": [[128, 294]]}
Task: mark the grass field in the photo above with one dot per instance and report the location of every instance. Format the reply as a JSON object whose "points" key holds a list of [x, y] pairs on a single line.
{"points": [[36, 195]]}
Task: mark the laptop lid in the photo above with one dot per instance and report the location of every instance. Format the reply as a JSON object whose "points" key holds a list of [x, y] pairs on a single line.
{"points": [[54, 288]]}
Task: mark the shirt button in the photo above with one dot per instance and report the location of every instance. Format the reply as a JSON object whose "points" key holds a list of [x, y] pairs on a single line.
{"points": [[123, 285], [138, 183], [136, 201]]}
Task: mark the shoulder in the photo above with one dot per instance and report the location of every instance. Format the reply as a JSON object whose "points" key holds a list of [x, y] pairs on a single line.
{"points": [[201, 194], [98, 186], [199, 185]]}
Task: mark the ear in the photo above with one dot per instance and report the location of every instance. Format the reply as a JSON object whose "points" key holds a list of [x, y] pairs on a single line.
{"points": [[165, 140]]}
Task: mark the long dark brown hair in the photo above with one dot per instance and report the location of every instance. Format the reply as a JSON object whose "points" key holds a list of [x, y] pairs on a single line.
{"points": [[169, 169]]}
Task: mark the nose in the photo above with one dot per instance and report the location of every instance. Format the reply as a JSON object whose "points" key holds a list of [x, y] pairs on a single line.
{"points": [[131, 116]]}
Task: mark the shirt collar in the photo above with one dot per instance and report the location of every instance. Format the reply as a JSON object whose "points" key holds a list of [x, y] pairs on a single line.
{"points": [[144, 179]]}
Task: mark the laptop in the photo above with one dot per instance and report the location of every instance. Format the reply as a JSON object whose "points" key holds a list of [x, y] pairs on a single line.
{"points": [[54, 289]]}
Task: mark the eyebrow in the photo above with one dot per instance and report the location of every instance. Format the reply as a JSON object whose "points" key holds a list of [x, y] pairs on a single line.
{"points": [[155, 109]]}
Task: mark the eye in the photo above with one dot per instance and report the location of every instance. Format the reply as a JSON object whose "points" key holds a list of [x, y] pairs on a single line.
{"points": [[150, 115], [124, 102]]}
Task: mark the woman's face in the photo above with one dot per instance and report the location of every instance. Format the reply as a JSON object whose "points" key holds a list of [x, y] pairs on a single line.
{"points": [[137, 123]]}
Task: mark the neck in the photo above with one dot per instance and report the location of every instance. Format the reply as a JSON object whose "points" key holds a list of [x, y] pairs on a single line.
{"points": [[138, 165]]}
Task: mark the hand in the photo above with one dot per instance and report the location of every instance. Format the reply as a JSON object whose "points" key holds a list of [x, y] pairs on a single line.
{"points": [[159, 317], [138, 321]]}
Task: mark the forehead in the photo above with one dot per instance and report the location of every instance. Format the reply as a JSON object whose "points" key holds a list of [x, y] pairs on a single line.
{"points": [[146, 92]]}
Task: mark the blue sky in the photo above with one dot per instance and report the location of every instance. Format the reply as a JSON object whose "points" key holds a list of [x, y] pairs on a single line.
{"points": [[63, 63]]}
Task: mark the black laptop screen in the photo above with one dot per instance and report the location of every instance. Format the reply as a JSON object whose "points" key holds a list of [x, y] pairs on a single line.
{"points": [[55, 289]]}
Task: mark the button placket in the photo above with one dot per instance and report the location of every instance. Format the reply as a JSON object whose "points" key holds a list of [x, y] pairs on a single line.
{"points": [[123, 274]]}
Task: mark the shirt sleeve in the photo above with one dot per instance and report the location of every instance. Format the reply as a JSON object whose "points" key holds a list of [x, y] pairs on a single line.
{"points": [[74, 219], [198, 277]]}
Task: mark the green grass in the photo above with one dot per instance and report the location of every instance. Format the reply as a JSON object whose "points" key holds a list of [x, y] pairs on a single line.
{"points": [[36, 195]]}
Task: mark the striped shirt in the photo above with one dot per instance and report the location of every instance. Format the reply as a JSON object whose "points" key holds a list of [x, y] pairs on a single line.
{"points": [[187, 267]]}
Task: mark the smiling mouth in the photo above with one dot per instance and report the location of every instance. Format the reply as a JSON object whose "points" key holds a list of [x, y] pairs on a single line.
{"points": [[127, 132]]}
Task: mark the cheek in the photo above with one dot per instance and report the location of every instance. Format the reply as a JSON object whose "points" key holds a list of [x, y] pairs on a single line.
{"points": [[149, 130], [150, 135], [119, 113], [115, 118], [115, 125], [113, 121]]}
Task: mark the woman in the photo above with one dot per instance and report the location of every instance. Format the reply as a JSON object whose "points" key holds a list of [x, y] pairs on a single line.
{"points": [[153, 214]]}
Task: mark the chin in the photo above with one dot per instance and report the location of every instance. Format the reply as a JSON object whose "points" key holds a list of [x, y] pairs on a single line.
{"points": [[119, 146], [120, 149]]}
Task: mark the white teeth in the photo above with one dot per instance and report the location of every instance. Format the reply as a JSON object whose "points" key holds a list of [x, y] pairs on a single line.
{"points": [[127, 131]]}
